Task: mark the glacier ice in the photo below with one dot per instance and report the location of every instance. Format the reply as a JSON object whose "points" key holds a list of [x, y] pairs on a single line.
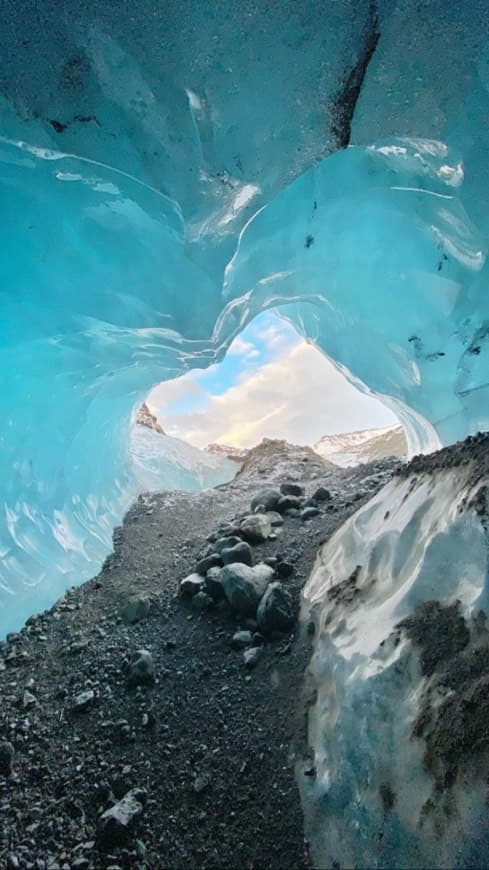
{"points": [[378, 799], [169, 170]]}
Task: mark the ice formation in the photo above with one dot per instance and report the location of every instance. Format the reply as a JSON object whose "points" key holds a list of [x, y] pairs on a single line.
{"points": [[167, 170]]}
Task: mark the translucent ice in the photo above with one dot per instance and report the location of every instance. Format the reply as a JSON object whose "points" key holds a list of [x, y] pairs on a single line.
{"points": [[166, 174]]}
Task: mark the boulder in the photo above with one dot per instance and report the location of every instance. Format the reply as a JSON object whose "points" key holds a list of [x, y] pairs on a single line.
{"points": [[225, 542], [269, 498], [213, 584], [192, 584], [239, 553], [213, 560], [275, 611], [117, 824], [291, 489], [244, 586], [322, 494], [256, 528]]}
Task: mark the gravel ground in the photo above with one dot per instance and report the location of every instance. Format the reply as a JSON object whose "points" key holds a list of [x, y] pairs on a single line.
{"points": [[212, 743]]}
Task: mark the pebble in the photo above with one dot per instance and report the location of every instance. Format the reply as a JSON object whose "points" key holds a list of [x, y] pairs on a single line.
{"points": [[141, 668], [309, 512], [242, 639], [83, 701], [252, 656], [117, 823]]}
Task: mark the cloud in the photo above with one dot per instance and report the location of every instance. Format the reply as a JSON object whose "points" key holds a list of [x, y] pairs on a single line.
{"points": [[300, 396]]}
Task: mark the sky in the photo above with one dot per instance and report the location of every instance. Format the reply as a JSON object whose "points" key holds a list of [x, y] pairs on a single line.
{"points": [[271, 384]]}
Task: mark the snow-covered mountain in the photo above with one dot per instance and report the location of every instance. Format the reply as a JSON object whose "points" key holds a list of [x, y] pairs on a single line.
{"points": [[353, 448]]}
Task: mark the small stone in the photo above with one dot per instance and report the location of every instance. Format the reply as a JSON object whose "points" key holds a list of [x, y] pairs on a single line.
{"points": [[274, 518], [308, 513], [117, 823], [141, 668], [242, 639], [214, 560], [256, 529], [136, 608], [191, 585], [291, 489], [6, 758], [287, 502], [275, 611], [252, 656], [28, 700], [322, 494], [292, 512], [269, 498], [83, 701], [239, 553], [202, 601], [13, 862]]}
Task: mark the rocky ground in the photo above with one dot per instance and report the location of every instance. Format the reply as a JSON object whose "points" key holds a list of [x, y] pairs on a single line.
{"points": [[188, 761]]}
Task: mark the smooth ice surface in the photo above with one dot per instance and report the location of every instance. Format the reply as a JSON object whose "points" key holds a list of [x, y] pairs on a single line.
{"points": [[169, 170]]}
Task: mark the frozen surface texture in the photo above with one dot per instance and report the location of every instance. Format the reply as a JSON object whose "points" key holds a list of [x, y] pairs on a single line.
{"points": [[167, 170], [399, 597]]}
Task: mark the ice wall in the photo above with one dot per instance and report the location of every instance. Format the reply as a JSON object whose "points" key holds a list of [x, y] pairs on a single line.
{"points": [[165, 173], [398, 597]]}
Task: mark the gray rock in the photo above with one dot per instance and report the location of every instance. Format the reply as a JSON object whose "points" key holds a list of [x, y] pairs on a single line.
{"points": [[244, 586], [213, 584], [242, 639], [269, 498], [141, 668], [28, 700], [117, 824], [136, 608], [6, 758], [275, 518], [202, 601], [322, 494], [83, 701], [192, 584], [291, 489], [292, 512], [226, 542], [256, 528], [287, 502], [275, 611], [309, 512], [252, 656], [212, 561], [239, 553]]}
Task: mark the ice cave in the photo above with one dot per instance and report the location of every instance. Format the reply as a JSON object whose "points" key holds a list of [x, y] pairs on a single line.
{"points": [[169, 169]]}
